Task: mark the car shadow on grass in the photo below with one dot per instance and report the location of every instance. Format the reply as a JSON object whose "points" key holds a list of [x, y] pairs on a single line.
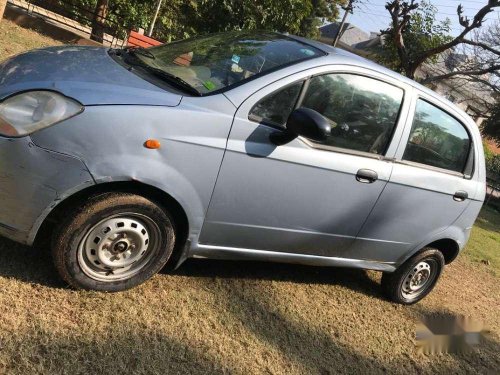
{"points": [[34, 265], [122, 351], [317, 351], [302, 345], [27, 264], [354, 279]]}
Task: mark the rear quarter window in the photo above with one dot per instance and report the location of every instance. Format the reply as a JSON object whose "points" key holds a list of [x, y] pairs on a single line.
{"points": [[437, 139]]}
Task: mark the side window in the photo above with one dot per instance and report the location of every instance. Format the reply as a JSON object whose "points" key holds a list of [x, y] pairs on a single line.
{"points": [[276, 107], [362, 111], [437, 139]]}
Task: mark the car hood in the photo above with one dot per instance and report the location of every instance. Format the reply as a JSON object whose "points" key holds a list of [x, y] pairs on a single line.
{"points": [[87, 74]]}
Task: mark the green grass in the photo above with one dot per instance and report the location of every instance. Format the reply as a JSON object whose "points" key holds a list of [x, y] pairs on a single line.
{"points": [[484, 243]]}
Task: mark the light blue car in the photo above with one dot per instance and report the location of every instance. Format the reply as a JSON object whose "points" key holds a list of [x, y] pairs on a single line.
{"points": [[238, 145]]}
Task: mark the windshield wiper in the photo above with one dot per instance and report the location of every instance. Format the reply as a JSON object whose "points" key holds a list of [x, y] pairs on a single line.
{"points": [[173, 78], [140, 51], [169, 77]]}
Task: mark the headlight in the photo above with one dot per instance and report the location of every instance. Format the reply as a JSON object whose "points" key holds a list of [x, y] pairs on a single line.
{"points": [[25, 113]]}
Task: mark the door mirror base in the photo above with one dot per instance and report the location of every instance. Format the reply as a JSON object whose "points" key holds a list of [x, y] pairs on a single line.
{"points": [[280, 138], [303, 122]]}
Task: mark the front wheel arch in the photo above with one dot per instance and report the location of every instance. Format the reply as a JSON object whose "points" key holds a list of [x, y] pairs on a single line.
{"points": [[44, 232]]}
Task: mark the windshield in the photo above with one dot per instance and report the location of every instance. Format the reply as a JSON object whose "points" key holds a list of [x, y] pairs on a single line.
{"points": [[217, 61]]}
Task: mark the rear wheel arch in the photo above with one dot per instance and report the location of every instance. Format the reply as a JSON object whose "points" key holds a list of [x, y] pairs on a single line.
{"points": [[163, 199], [415, 278], [448, 247]]}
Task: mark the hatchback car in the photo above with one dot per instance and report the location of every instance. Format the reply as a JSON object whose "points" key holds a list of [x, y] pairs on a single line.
{"points": [[238, 145]]}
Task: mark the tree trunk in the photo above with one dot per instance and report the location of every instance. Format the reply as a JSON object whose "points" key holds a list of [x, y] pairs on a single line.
{"points": [[155, 17], [411, 70], [100, 13], [3, 4]]}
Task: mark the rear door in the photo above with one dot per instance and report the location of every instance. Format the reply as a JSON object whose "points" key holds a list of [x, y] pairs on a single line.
{"points": [[305, 197], [430, 185]]}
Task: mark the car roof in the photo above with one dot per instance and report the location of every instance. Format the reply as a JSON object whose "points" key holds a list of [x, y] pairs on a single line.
{"points": [[350, 57], [353, 59]]}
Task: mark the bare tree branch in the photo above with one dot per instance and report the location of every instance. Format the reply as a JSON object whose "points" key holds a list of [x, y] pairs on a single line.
{"points": [[477, 21], [477, 72], [482, 45], [400, 15], [485, 82], [400, 12]]}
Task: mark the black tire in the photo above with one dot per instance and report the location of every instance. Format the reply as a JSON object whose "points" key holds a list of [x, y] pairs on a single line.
{"points": [[68, 241], [396, 285]]}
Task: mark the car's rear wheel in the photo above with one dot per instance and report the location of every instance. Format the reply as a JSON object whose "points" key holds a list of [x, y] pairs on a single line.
{"points": [[113, 242], [415, 278]]}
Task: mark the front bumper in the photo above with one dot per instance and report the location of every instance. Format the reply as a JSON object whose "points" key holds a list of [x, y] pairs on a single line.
{"points": [[32, 182]]}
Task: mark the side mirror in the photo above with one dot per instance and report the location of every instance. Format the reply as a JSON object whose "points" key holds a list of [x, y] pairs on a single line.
{"points": [[303, 122]]}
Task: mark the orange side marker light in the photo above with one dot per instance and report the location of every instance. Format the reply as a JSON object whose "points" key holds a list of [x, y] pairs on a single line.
{"points": [[152, 144]]}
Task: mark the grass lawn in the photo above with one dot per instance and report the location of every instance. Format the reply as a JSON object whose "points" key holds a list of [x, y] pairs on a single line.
{"points": [[15, 39], [237, 317], [484, 243]]}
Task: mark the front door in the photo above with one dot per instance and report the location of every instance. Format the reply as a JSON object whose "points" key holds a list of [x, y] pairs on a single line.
{"points": [[304, 197]]}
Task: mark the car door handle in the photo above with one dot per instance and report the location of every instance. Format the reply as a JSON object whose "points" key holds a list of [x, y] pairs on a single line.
{"points": [[460, 196], [366, 176]]}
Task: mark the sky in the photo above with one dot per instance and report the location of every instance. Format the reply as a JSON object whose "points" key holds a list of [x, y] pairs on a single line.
{"points": [[371, 15]]}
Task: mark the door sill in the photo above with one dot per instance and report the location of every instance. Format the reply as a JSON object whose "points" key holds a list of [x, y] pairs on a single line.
{"points": [[235, 253]]}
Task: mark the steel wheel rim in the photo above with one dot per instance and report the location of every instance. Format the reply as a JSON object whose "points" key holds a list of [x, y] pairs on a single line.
{"points": [[419, 279], [118, 247]]}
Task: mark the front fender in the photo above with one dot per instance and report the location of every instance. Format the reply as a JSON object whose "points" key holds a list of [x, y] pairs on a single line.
{"points": [[174, 183], [32, 182], [110, 141]]}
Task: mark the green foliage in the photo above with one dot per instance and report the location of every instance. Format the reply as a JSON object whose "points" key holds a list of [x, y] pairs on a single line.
{"points": [[487, 152], [216, 15], [184, 18], [493, 164], [491, 126], [121, 15], [79, 10], [294, 16], [423, 33], [326, 10]]}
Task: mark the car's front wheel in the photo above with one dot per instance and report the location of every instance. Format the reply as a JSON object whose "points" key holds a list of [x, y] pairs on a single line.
{"points": [[113, 242], [416, 278]]}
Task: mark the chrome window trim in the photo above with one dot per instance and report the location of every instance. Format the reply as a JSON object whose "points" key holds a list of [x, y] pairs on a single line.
{"points": [[430, 167], [306, 80], [341, 150]]}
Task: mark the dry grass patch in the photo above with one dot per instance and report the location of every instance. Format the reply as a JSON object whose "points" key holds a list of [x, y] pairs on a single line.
{"points": [[214, 317], [15, 39]]}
